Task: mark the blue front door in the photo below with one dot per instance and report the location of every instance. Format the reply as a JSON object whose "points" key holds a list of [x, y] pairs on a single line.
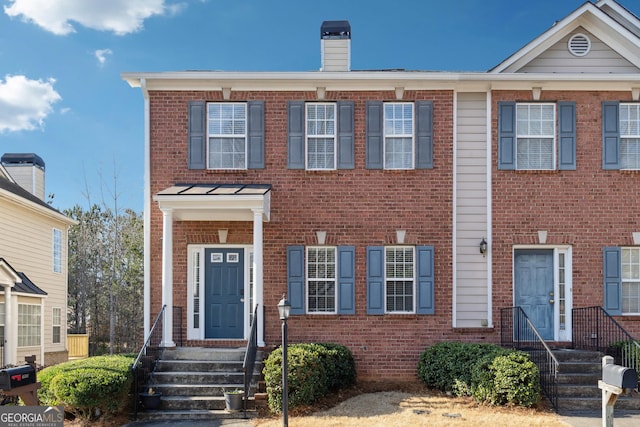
{"points": [[224, 293], [534, 288]]}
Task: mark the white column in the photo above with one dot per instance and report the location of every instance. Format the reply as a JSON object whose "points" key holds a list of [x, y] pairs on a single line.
{"points": [[258, 271], [167, 278], [10, 329]]}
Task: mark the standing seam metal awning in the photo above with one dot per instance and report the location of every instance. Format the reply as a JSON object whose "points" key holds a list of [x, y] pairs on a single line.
{"points": [[215, 202]]}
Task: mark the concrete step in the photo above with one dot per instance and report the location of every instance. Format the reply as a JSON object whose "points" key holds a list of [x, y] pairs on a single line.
{"points": [[573, 367], [172, 403], [205, 354], [578, 391], [194, 414], [177, 377], [624, 403], [570, 355], [203, 366], [198, 389]]}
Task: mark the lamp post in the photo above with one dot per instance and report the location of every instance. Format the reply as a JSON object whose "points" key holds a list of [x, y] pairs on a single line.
{"points": [[284, 308]]}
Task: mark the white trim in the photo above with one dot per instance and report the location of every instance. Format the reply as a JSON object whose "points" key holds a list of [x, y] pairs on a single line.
{"points": [[526, 136], [454, 233], [489, 255], [415, 279], [146, 214], [230, 136], [335, 280], [412, 135], [317, 136]]}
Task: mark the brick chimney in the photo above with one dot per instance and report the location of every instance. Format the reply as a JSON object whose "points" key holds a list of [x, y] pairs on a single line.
{"points": [[335, 46], [27, 170]]}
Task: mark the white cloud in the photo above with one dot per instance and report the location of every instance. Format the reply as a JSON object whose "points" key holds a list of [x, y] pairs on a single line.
{"points": [[101, 55], [118, 16], [25, 103]]}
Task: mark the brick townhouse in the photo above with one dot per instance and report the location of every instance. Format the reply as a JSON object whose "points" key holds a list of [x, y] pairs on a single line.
{"points": [[396, 209]]}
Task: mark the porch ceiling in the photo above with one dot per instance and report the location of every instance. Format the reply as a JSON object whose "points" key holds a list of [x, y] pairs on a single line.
{"points": [[215, 202]]}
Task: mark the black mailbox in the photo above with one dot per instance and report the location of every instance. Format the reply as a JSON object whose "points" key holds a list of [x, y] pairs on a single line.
{"points": [[19, 376], [620, 376]]}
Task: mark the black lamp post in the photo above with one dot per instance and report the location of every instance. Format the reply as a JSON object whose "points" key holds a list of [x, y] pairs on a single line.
{"points": [[284, 309]]}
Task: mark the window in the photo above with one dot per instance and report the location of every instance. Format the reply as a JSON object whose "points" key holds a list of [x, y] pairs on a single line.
{"points": [[537, 136], [398, 135], [321, 279], [630, 136], [57, 251], [630, 280], [399, 279], [195, 297], [227, 135], [56, 322], [321, 136], [2, 316], [28, 325]]}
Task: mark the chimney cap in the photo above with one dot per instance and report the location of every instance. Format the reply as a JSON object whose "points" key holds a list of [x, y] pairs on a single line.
{"points": [[22, 158], [335, 30]]}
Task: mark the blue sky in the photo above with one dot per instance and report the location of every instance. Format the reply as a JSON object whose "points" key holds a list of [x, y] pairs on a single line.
{"points": [[62, 97]]}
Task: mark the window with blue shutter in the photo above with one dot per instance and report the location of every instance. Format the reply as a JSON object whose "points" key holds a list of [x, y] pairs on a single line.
{"points": [[374, 136], [424, 134], [197, 136], [612, 280], [255, 135], [425, 281], [346, 280], [295, 278], [375, 280], [567, 135], [610, 135], [295, 135], [346, 156], [507, 135]]}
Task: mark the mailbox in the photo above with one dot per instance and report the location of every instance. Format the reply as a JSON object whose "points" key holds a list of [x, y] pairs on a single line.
{"points": [[19, 376], [619, 376]]}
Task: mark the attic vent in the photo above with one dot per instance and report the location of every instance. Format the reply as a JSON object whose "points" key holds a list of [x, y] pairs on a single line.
{"points": [[579, 45]]}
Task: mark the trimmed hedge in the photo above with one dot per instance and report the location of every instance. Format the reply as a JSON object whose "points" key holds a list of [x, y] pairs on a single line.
{"points": [[89, 387], [313, 370], [487, 372]]}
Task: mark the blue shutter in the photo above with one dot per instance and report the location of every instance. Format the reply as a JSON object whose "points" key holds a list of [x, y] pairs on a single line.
{"points": [[424, 134], [375, 280], [375, 138], [612, 281], [507, 135], [567, 135], [255, 133], [295, 278], [610, 135], [346, 280], [425, 286], [346, 158], [197, 137], [295, 135]]}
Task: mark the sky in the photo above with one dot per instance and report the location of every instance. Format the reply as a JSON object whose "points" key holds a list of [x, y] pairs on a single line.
{"points": [[62, 96]]}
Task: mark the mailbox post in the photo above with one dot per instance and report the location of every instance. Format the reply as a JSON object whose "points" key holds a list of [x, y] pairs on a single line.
{"points": [[615, 380]]}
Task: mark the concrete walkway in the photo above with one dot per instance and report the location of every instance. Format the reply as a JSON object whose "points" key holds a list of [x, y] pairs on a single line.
{"points": [[592, 419], [192, 423]]}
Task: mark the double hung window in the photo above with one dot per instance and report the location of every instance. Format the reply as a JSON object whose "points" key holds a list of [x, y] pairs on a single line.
{"points": [[398, 135], [57, 251], [227, 135], [630, 267], [56, 322], [630, 136], [321, 136], [535, 129], [28, 325], [399, 279], [321, 279]]}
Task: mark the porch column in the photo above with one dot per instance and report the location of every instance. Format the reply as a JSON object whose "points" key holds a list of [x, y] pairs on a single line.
{"points": [[167, 278], [10, 329], [258, 271]]}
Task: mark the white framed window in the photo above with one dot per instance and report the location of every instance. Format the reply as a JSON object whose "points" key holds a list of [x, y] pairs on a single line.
{"points": [[630, 268], [56, 324], [535, 136], [320, 135], [398, 135], [29, 321], [227, 135], [321, 279], [57, 251], [195, 293], [630, 136], [399, 270]]}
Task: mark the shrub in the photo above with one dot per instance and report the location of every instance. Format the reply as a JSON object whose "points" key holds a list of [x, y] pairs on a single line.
{"points": [[516, 380], [448, 366], [313, 369], [88, 387]]}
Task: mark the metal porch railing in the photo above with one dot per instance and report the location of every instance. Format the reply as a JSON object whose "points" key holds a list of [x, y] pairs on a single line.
{"points": [[250, 357], [145, 363], [594, 329], [517, 332]]}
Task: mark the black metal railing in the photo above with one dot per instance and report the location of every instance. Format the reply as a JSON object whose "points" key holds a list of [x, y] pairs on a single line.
{"points": [[594, 329], [250, 357], [145, 364], [518, 332]]}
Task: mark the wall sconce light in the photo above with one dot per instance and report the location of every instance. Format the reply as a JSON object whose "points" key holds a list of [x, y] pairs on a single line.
{"points": [[222, 235], [483, 247], [400, 234], [321, 235]]}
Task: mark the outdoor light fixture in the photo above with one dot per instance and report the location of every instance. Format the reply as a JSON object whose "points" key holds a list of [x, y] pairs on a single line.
{"points": [[284, 309], [483, 246]]}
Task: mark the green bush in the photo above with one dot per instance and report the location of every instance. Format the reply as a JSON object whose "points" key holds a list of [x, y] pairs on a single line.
{"points": [[448, 366], [516, 380], [88, 387], [313, 370]]}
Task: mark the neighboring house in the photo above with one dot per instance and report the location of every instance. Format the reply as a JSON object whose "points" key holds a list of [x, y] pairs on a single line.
{"points": [[365, 195], [33, 265]]}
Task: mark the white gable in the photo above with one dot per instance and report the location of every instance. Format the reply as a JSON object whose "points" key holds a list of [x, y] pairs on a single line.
{"points": [[612, 31]]}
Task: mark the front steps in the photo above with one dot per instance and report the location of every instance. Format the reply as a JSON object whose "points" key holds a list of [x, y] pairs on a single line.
{"points": [[192, 381], [578, 376]]}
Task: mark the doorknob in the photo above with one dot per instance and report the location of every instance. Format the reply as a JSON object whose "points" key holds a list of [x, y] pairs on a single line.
{"points": [[550, 294], [551, 301]]}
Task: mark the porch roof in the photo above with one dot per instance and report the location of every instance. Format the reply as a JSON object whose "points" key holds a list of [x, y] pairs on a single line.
{"points": [[215, 202]]}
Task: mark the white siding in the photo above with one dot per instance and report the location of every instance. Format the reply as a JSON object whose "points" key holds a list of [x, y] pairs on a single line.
{"points": [[472, 291], [600, 59], [336, 55]]}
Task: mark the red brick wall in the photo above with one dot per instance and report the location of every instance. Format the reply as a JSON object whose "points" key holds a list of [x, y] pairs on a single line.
{"points": [[357, 207], [588, 208]]}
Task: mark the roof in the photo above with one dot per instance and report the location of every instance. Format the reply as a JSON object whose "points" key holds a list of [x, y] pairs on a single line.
{"points": [[17, 191], [22, 283]]}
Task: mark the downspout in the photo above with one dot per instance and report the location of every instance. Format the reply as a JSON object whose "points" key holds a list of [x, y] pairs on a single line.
{"points": [[454, 234], [147, 211], [489, 215]]}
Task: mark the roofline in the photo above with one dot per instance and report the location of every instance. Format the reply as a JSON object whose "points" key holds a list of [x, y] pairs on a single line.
{"points": [[49, 212]]}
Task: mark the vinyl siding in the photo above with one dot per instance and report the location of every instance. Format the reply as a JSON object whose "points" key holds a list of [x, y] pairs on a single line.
{"points": [[600, 59], [471, 211], [27, 244]]}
